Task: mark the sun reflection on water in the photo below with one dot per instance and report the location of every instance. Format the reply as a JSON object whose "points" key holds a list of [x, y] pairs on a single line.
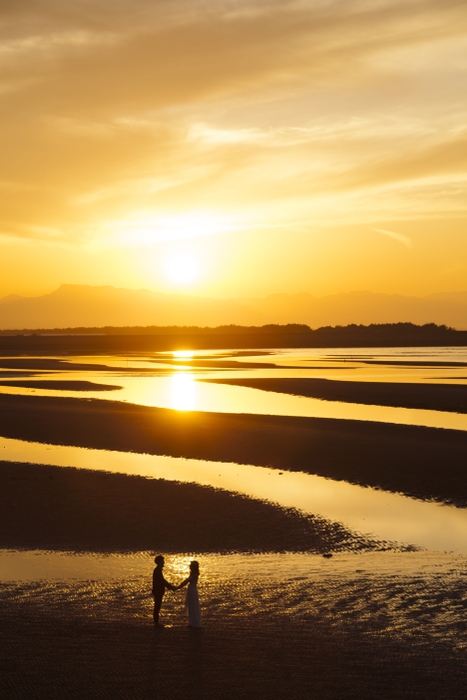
{"points": [[183, 354], [183, 392], [178, 566]]}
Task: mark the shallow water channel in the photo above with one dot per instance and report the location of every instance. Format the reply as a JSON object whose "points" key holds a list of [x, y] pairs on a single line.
{"points": [[381, 515], [173, 383], [39, 565]]}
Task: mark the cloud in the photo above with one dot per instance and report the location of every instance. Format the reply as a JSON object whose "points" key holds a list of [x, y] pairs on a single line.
{"points": [[113, 108], [413, 163], [405, 240], [143, 58]]}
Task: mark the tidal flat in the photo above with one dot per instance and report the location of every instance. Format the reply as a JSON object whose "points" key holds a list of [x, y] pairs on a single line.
{"points": [[287, 626], [379, 615]]}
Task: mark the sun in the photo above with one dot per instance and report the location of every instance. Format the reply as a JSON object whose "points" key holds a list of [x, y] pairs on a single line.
{"points": [[182, 269]]}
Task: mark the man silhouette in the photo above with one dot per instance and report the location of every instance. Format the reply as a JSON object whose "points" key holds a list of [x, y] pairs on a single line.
{"points": [[159, 584]]}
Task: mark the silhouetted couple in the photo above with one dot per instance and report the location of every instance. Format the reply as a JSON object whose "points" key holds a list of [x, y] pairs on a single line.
{"points": [[159, 584]]}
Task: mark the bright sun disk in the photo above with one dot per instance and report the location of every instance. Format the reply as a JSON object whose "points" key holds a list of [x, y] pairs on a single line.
{"points": [[182, 269]]}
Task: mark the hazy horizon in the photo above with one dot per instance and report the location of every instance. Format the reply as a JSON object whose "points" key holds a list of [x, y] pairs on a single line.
{"points": [[185, 292], [95, 306]]}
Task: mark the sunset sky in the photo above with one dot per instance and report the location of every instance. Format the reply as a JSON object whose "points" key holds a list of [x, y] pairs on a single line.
{"points": [[234, 149]]}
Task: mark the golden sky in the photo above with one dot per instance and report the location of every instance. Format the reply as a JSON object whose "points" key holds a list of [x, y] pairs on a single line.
{"points": [[232, 148]]}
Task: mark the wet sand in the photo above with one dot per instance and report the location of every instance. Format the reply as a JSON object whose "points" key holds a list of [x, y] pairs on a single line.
{"points": [[343, 637], [424, 462], [202, 363], [39, 364], [57, 508], [433, 397], [338, 639], [60, 385]]}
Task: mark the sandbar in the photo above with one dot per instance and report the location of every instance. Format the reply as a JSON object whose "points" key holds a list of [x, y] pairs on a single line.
{"points": [[60, 385], [424, 462], [434, 397], [60, 508]]}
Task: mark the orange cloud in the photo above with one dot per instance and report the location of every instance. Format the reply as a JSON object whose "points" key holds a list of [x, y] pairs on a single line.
{"points": [[282, 115]]}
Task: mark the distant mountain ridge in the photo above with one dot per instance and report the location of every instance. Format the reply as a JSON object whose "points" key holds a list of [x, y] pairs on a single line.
{"points": [[83, 305], [88, 306]]}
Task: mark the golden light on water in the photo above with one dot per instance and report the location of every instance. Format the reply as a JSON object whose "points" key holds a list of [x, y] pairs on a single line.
{"points": [[183, 392], [183, 354], [178, 566]]}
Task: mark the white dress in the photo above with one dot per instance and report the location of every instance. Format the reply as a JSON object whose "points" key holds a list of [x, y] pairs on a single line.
{"points": [[192, 603]]}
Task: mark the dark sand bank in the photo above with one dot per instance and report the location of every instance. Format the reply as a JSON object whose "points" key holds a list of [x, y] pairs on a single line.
{"points": [[434, 397], [222, 364], [15, 375], [298, 640], [424, 462], [413, 363], [64, 385], [214, 363], [43, 507], [225, 354], [39, 364]]}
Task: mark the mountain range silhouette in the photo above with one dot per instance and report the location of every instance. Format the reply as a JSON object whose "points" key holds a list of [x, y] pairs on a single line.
{"points": [[96, 306]]}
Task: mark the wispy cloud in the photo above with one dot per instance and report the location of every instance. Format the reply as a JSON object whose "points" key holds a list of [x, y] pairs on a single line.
{"points": [[405, 240], [181, 104]]}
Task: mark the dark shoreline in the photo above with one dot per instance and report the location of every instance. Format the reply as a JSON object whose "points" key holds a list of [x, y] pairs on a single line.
{"points": [[116, 341], [424, 462], [434, 397], [63, 508], [59, 385]]}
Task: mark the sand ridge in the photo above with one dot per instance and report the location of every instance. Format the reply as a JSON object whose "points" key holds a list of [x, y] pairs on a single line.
{"points": [[433, 397], [59, 508], [391, 457]]}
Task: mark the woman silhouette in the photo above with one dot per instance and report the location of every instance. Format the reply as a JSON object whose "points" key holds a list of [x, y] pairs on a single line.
{"points": [[191, 599]]}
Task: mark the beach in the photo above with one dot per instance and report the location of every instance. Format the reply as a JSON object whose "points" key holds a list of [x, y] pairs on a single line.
{"points": [[336, 637], [352, 617], [90, 511]]}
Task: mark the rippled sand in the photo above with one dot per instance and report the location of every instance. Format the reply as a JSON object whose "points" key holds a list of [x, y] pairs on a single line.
{"points": [[334, 637]]}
